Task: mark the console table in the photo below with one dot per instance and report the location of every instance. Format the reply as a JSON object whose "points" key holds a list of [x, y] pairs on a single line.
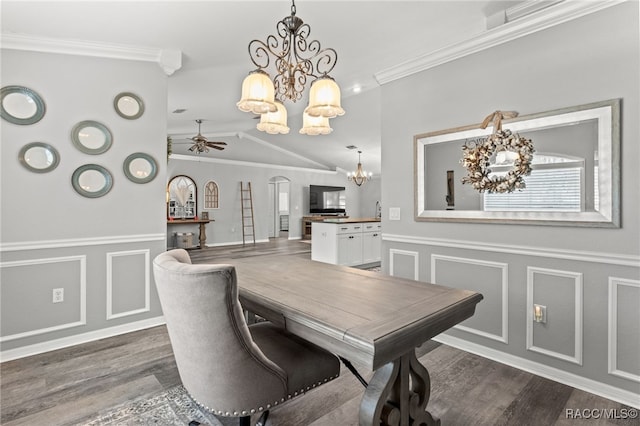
{"points": [[202, 237]]}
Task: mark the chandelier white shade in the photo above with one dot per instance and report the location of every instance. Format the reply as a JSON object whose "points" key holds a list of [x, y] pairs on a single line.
{"points": [[274, 122], [324, 99], [315, 125], [359, 176], [257, 93]]}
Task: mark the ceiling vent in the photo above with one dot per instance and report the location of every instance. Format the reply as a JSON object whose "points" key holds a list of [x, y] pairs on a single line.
{"points": [[351, 147]]}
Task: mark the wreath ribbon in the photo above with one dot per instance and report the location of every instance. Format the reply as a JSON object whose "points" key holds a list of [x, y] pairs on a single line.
{"points": [[497, 117]]}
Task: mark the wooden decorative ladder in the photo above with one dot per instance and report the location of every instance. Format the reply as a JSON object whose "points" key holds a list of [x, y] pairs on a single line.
{"points": [[248, 225]]}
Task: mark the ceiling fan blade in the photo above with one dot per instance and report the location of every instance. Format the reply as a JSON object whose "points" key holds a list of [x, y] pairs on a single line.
{"points": [[216, 143], [219, 148]]}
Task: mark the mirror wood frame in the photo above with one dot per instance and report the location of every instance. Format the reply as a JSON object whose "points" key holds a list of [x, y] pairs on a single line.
{"points": [[607, 114]]}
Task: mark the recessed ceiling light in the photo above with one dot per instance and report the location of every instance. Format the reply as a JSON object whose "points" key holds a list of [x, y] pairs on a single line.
{"points": [[357, 88], [179, 110]]}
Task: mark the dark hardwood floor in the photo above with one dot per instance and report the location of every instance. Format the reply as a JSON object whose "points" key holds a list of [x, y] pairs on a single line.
{"points": [[69, 386]]}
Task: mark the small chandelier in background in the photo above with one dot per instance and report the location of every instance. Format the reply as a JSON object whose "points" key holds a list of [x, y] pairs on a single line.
{"points": [[296, 60], [359, 176]]}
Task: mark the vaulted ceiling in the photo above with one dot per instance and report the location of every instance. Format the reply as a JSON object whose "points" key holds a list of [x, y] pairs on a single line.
{"points": [[370, 37]]}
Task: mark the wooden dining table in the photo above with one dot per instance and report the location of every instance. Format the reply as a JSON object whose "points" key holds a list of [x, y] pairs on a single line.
{"points": [[368, 318]]}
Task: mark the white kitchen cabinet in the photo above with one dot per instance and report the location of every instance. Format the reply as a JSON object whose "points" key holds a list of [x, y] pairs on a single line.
{"points": [[371, 242], [346, 243]]}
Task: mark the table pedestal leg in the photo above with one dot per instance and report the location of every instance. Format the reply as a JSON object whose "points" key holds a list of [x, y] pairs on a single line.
{"points": [[398, 394]]}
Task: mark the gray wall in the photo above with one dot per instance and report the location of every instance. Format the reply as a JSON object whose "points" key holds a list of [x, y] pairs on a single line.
{"points": [[580, 274], [98, 250]]}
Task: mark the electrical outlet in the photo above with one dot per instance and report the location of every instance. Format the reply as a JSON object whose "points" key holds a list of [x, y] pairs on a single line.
{"points": [[540, 313], [58, 295]]}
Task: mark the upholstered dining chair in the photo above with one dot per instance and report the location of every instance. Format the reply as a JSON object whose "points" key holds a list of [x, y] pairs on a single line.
{"points": [[228, 367]]}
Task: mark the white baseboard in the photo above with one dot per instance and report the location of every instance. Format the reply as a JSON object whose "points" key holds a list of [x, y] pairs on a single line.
{"points": [[77, 339], [588, 385]]}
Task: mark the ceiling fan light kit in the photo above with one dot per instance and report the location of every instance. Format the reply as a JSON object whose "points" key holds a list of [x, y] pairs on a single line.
{"points": [[296, 60]]}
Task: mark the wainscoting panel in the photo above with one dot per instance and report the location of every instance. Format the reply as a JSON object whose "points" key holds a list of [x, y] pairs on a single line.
{"points": [[561, 293], [403, 262], [624, 338], [490, 279], [27, 288], [128, 283]]}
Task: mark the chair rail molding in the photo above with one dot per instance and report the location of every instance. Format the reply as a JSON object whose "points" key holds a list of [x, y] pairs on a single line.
{"points": [[169, 60], [552, 253], [77, 242]]}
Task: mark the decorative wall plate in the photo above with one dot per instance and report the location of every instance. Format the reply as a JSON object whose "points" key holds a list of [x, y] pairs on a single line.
{"points": [[91, 180], [39, 157], [140, 167], [128, 105], [91, 137], [21, 105]]}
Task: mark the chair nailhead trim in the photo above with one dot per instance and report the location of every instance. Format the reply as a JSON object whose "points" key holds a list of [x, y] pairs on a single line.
{"points": [[253, 410]]}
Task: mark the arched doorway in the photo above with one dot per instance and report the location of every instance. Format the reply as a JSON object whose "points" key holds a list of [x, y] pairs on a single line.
{"points": [[279, 206]]}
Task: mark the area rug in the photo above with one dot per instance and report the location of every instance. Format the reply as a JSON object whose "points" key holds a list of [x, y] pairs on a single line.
{"points": [[171, 407]]}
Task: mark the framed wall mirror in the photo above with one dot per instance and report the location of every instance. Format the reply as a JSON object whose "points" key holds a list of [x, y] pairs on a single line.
{"points": [[140, 167], [575, 177], [128, 105], [91, 137], [21, 105], [39, 157], [182, 198], [92, 181]]}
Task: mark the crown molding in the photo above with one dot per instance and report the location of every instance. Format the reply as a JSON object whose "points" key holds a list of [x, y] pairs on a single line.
{"points": [[201, 159], [169, 60], [565, 11]]}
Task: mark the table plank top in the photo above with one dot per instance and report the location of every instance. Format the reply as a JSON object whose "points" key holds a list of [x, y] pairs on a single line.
{"points": [[364, 316]]}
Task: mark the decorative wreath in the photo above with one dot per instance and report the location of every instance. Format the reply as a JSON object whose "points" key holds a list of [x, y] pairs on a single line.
{"points": [[477, 155]]}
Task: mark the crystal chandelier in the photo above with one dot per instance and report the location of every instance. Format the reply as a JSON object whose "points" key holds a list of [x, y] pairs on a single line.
{"points": [[359, 176], [296, 60]]}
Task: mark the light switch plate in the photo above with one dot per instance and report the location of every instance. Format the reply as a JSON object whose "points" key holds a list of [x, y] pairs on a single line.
{"points": [[394, 213]]}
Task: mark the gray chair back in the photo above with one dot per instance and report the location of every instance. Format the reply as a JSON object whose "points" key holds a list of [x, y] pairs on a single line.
{"points": [[219, 364]]}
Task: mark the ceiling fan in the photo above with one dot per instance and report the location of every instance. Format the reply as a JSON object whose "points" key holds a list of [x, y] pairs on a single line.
{"points": [[201, 144]]}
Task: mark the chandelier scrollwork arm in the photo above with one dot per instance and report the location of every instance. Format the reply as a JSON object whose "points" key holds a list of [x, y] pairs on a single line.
{"points": [[297, 61], [296, 58]]}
